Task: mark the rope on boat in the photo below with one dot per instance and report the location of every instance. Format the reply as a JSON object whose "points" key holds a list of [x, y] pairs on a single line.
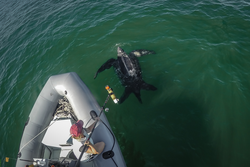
{"points": [[113, 142], [37, 135], [63, 110]]}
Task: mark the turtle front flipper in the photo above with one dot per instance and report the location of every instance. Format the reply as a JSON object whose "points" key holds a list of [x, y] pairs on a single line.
{"points": [[141, 52], [105, 66]]}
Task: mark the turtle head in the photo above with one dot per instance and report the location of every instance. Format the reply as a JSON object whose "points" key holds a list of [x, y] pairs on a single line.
{"points": [[120, 52]]}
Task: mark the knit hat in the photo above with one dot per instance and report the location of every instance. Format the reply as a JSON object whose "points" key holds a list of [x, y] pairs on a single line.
{"points": [[76, 129]]}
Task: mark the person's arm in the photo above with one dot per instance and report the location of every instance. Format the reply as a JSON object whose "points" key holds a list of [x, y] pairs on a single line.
{"points": [[89, 129]]}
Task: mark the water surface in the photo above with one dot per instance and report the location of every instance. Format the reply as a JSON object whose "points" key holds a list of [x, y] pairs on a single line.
{"points": [[199, 116]]}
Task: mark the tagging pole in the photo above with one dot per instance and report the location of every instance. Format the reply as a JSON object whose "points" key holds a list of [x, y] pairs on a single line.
{"points": [[112, 95]]}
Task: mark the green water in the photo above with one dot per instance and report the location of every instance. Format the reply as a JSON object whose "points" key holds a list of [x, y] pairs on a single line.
{"points": [[198, 117]]}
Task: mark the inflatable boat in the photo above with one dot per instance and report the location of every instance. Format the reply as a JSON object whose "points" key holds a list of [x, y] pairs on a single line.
{"points": [[46, 139]]}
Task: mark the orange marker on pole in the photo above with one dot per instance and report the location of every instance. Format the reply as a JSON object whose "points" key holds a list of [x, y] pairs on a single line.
{"points": [[111, 93]]}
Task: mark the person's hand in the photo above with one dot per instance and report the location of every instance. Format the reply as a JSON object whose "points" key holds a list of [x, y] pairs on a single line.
{"points": [[86, 143]]}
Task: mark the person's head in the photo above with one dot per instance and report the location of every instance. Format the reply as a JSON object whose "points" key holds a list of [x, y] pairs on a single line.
{"points": [[76, 130]]}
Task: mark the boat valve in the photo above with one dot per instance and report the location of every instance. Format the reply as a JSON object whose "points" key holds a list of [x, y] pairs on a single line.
{"points": [[111, 93]]}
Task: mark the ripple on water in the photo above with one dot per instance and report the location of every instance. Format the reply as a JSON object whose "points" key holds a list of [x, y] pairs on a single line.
{"points": [[202, 54]]}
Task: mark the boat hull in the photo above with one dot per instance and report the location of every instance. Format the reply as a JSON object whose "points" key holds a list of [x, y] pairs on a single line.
{"points": [[82, 101]]}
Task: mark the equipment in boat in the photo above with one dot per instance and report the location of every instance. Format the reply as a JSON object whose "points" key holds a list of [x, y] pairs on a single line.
{"points": [[46, 140]]}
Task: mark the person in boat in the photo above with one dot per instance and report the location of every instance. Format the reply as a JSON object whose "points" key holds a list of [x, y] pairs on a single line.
{"points": [[81, 134]]}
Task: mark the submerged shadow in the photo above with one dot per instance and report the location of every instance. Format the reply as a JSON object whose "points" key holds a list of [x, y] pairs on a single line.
{"points": [[185, 137], [132, 156]]}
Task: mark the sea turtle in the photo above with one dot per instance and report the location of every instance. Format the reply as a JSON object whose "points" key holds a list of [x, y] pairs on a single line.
{"points": [[129, 72]]}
